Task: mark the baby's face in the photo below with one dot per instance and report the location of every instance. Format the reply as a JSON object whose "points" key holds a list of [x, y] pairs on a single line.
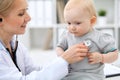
{"points": [[78, 20]]}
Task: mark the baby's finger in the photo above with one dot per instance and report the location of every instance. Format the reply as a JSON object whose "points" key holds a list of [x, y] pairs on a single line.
{"points": [[90, 60]]}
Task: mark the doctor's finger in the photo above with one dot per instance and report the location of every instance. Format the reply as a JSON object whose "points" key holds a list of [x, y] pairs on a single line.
{"points": [[81, 54], [84, 50], [79, 58]]}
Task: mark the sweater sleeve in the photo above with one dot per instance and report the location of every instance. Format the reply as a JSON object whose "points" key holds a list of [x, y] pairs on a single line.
{"points": [[63, 41]]}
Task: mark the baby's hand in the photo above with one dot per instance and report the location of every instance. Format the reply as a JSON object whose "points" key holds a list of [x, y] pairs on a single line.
{"points": [[95, 57]]}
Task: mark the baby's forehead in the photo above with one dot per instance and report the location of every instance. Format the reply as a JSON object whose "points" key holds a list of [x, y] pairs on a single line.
{"points": [[78, 5], [75, 16], [73, 3], [76, 9], [85, 6]]}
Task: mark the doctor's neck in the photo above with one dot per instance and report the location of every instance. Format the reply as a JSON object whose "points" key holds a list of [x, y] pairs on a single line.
{"points": [[5, 40]]}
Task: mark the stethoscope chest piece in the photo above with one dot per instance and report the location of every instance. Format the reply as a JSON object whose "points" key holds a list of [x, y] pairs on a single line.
{"points": [[88, 43]]}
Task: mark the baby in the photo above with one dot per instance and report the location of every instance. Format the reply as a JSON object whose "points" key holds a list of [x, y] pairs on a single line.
{"points": [[80, 15]]}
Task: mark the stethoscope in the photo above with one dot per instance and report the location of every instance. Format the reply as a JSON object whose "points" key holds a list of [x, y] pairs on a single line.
{"points": [[87, 42], [13, 50]]}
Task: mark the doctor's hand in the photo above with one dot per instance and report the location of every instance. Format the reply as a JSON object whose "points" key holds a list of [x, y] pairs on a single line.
{"points": [[75, 53]]}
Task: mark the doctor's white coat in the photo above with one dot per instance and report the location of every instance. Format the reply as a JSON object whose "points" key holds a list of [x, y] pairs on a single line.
{"points": [[8, 71]]}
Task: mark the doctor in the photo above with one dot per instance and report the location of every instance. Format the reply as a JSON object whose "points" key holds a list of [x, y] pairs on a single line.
{"points": [[15, 63]]}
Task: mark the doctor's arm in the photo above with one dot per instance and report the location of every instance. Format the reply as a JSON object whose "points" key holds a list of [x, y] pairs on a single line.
{"points": [[54, 71], [59, 67]]}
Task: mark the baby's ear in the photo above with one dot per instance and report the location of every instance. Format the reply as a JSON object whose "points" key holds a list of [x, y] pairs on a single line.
{"points": [[93, 20]]}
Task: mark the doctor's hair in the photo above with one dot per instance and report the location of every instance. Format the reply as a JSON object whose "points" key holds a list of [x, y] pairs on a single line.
{"points": [[6, 6], [87, 5]]}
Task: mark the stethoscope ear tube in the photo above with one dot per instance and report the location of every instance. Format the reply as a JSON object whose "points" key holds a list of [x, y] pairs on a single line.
{"points": [[14, 55]]}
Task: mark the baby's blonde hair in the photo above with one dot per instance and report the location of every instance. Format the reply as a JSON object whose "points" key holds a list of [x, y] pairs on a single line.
{"points": [[6, 7], [87, 5]]}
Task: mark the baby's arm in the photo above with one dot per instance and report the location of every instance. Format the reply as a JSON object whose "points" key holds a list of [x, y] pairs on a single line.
{"points": [[106, 44], [97, 57], [110, 57]]}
